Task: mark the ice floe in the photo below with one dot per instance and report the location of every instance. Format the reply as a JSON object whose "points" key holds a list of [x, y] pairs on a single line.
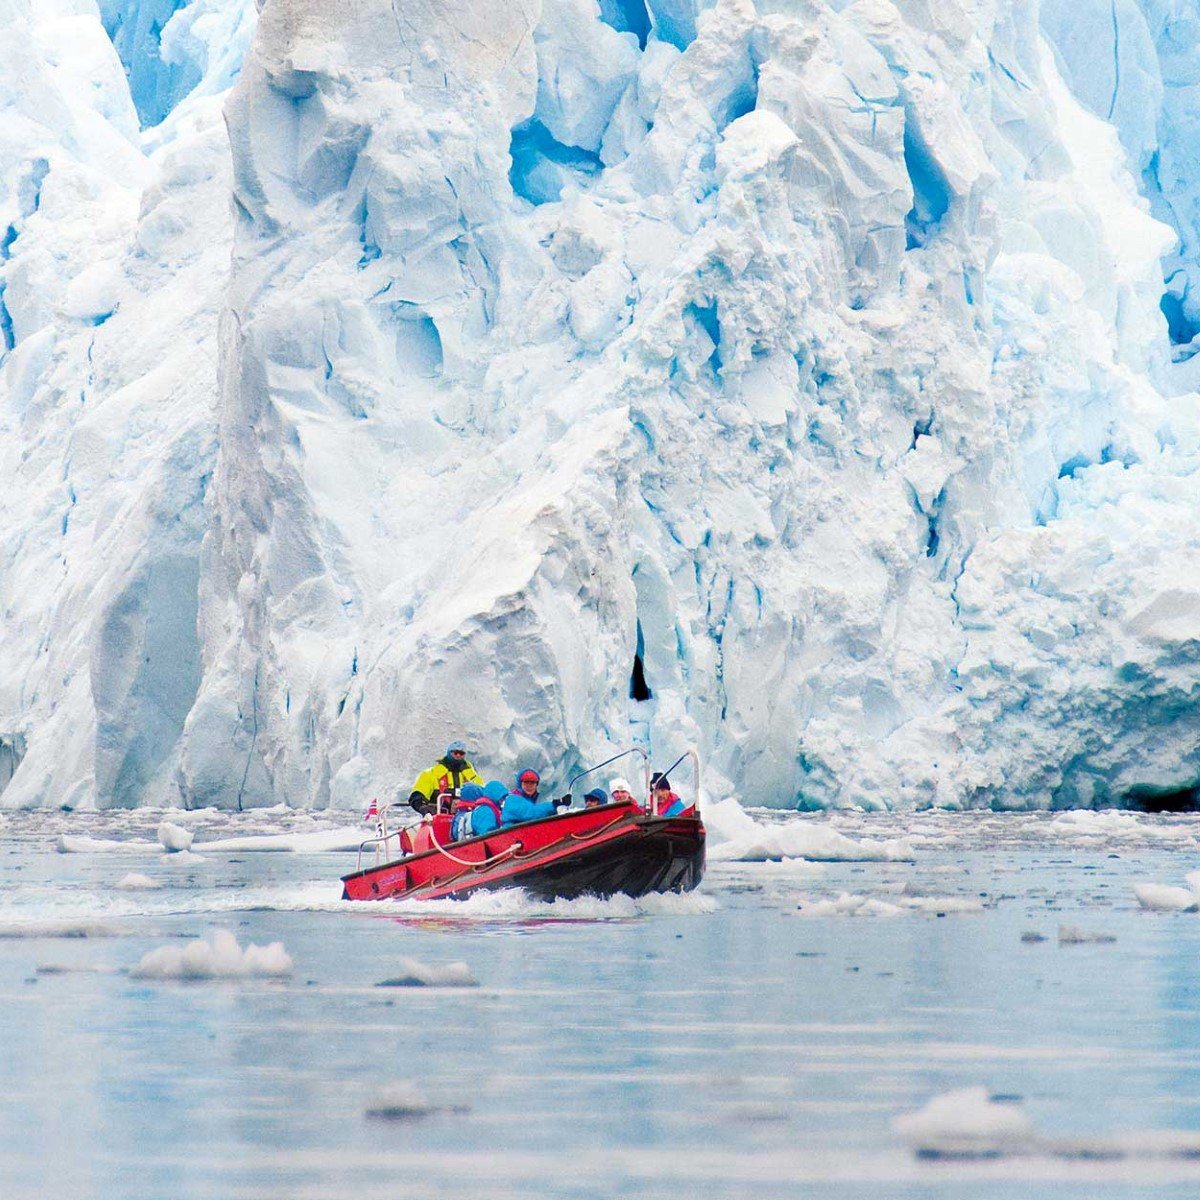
{"points": [[971, 1123], [174, 838], [133, 882], [420, 974], [219, 958]]}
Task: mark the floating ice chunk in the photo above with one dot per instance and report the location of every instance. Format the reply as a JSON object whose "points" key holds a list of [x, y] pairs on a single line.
{"points": [[174, 837], [133, 882], [419, 974], [1161, 897], [63, 969], [817, 843], [726, 820], [349, 838], [57, 929], [1070, 935], [966, 1123], [847, 905], [970, 1123], [222, 958], [943, 905], [70, 844], [404, 1101]]}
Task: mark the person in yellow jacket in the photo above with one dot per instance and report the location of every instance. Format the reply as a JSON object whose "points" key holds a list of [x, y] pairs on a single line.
{"points": [[448, 774]]}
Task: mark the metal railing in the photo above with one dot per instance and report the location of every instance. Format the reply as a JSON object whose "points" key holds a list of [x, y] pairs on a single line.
{"points": [[688, 753], [615, 758]]}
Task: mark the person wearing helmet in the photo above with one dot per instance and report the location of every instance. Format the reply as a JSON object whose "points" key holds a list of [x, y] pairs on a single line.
{"points": [[445, 777], [523, 803], [663, 801]]}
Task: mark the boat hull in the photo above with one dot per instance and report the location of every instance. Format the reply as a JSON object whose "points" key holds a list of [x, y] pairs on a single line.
{"points": [[608, 851]]}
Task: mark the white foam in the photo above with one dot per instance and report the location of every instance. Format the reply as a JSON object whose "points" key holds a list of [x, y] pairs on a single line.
{"points": [[514, 903], [220, 958]]}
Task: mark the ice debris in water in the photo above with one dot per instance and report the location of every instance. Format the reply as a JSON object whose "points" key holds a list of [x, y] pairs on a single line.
{"points": [[966, 1123], [1162, 897], [222, 958], [404, 1101], [735, 836], [174, 837], [133, 882], [58, 929], [419, 974], [74, 844], [849, 905], [970, 1123], [1071, 935]]}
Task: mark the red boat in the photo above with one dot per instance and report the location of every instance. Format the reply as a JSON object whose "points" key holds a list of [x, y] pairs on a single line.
{"points": [[602, 851]]}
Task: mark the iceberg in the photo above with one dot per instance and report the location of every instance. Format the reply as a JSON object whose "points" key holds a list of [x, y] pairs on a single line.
{"points": [[797, 385]]}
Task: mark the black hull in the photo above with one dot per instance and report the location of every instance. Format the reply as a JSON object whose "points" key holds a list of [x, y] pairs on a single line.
{"points": [[656, 859]]}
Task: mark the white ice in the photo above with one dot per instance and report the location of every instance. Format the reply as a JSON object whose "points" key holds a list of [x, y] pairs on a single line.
{"points": [[357, 392], [218, 958]]}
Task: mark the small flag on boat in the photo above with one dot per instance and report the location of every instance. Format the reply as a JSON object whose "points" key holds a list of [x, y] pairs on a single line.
{"points": [[372, 812]]}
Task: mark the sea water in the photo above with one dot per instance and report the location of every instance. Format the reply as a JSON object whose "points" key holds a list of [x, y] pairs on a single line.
{"points": [[758, 1037]]}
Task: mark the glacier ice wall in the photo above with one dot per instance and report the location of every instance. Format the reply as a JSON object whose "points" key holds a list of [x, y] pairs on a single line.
{"points": [[809, 357]]}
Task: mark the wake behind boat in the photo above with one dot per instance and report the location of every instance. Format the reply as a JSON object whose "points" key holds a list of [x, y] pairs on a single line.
{"points": [[606, 850]]}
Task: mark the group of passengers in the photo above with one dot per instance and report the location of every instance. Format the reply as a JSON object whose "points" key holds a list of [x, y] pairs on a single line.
{"points": [[480, 807]]}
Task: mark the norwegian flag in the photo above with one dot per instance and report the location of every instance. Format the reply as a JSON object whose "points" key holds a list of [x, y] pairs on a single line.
{"points": [[372, 813]]}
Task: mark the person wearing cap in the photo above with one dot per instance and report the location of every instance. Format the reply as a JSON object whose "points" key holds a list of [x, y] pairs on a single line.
{"points": [[620, 791], [595, 798], [523, 803], [663, 801], [446, 776]]}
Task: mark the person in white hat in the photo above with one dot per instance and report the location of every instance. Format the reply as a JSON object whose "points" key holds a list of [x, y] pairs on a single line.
{"points": [[619, 791]]}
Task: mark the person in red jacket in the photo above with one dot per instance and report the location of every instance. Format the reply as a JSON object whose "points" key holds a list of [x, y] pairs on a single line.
{"points": [[663, 801]]}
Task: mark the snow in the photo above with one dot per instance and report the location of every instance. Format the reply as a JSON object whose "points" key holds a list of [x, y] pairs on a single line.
{"points": [[218, 958], [362, 387]]}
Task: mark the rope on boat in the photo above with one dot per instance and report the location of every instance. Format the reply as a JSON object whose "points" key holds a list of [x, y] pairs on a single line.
{"points": [[464, 862], [583, 837], [513, 851]]}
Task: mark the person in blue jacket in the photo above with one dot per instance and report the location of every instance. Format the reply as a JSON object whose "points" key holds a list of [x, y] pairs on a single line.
{"points": [[478, 812], [523, 802]]}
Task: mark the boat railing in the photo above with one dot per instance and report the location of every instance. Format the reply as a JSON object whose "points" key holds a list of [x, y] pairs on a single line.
{"points": [[616, 758], [691, 753], [382, 836]]}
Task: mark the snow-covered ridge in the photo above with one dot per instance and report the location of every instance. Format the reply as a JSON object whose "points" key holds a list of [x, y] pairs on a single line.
{"points": [[813, 357]]}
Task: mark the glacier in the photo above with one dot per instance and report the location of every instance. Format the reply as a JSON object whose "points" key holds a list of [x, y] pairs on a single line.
{"points": [[812, 383]]}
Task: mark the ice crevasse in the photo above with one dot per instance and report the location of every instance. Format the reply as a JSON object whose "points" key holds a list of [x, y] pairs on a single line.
{"points": [[794, 380]]}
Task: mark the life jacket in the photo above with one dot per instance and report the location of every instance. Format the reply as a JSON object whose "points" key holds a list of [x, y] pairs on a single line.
{"points": [[464, 817], [661, 807]]}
